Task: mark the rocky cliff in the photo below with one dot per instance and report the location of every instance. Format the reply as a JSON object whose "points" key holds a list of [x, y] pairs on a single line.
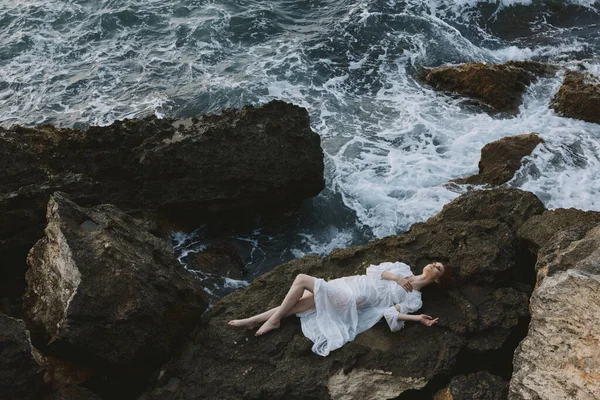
{"points": [[479, 318]]}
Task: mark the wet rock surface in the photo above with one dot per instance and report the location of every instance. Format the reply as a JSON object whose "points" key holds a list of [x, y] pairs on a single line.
{"points": [[176, 170], [20, 375], [476, 386], [500, 86], [106, 294], [476, 232], [220, 268], [501, 159], [560, 357], [578, 97]]}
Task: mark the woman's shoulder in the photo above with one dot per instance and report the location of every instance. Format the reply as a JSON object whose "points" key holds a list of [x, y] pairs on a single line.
{"points": [[403, 267], [391, 265], [396, 267]]}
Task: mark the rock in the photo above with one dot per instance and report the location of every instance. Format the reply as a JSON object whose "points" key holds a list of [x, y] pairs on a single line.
{"points": [[177, 170], [73, 393], [20, 375], [578, 97], [221, 261], [106, 294], [510, 206], [547, 234], [60, 374], [476, 232], [476, 386], [220, 269], [501, 159], [560, 357], [500, 86]]}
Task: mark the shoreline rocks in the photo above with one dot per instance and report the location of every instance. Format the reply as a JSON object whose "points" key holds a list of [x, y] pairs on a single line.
{"points": [[476, 386], [500, 86], [501, 159], [175, 171], [559, 357], [578, 97], [20, 375], [106, 294], [476, 232]]}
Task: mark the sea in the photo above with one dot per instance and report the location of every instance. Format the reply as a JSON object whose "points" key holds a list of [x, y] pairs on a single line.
{"points": [[391, 143]]}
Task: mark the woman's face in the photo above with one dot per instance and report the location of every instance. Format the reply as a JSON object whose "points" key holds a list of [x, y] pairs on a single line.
{"points": [[435, 270]]}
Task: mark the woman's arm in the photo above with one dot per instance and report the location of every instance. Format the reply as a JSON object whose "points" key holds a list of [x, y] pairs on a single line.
{"points": [[424, 319], [398, 279]]}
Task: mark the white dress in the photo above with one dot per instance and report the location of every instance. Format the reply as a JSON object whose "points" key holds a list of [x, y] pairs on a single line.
{"points": [[347, 306]]}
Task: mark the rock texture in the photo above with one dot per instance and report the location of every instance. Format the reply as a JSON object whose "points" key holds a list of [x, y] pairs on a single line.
{"points": [[560, 357], [253, 158], [220, 268], [546, 234], [20, 375], [476, 386], [500, 86], [73, 393], [579, 97], [223, 261], [106, 294], [501, 159], [476, 232]]}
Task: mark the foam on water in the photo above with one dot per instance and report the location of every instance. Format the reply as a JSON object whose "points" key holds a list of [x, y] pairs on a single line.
{"points": [[391, 142]]}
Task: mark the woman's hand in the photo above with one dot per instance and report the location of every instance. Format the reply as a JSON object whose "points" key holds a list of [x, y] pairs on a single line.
{"points": [[427, 320], [404, 283]]}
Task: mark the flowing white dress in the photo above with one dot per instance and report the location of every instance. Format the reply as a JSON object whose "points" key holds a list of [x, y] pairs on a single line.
{"points": [[347, 306]]}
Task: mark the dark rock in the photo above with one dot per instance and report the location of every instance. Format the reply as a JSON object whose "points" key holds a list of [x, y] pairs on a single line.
{"points": [[501, 159], [578, 97], [223, 261], [477, 386], [20, 375], [73, 393], [499, 85], [174, 170], [510, 206], [220, 269], [106, 294], [60, 374], [476, 232]]}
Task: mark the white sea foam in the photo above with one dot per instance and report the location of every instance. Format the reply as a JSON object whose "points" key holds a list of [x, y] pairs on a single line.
{"points": [[235, 283], [326, 242]]}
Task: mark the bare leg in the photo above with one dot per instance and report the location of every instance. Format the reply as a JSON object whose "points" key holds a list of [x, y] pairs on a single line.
{"points": [[304, 304], [301, 283]]}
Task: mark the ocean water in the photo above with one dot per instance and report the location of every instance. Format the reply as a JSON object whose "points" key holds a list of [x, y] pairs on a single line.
{"points": [[391, 143]]}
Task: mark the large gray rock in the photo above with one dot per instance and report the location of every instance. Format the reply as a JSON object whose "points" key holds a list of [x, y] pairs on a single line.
{"points": [[20, 375], [560, 357], [106, 294], [501, 159], [579, 97], [173, 170], [476, 232]]}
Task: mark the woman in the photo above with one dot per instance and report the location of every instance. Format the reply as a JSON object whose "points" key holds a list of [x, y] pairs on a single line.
{"points": [[332, 313]]}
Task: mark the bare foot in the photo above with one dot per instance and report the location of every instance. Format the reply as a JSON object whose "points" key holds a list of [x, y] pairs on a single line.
{"points": [[266, 327], [243, 323]]}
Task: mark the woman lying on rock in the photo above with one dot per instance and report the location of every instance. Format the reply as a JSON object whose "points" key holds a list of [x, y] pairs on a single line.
{"points": [[332, 313]]}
